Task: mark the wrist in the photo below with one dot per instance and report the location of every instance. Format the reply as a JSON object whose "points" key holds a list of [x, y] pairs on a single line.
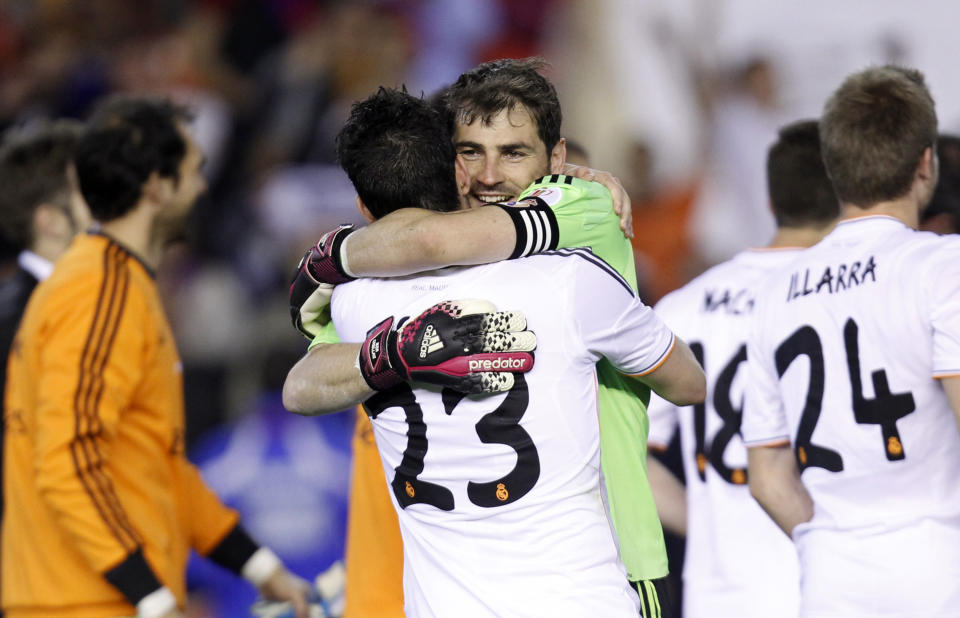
{"points": [[379, 363]]}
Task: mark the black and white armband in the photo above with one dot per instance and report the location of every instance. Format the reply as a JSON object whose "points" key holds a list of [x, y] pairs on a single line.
{"points": [[536, 227]]}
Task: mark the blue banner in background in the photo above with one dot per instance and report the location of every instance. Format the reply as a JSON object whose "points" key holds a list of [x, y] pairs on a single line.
{"points": [[288, 476]]}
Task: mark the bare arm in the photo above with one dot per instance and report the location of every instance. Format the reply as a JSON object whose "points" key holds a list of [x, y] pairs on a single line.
{"points": [[776, 485], [670, 496], [325, 380], [413, 240], [680, 379], [951, 386]]}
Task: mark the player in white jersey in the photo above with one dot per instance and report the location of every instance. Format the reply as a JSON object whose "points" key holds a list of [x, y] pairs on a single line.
{"points": [[737, 562], [854, 372], [499, 496]]}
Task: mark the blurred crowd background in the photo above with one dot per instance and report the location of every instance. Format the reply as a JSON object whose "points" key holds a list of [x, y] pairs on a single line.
{"points": [[679, 98]]}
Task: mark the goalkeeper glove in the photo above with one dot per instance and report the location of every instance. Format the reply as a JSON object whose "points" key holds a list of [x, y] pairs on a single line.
{"points": [[465, 345], [320, 269]]}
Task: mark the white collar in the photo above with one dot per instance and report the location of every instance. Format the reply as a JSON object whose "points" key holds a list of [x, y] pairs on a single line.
{"points": [[39, 267]]}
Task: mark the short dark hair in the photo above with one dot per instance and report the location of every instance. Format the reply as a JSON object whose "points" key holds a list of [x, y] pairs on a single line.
{"points": [[946, 197], [398, 153], [126, 140], [873, 132], [799, 188], [492, 87], [33, 170]]}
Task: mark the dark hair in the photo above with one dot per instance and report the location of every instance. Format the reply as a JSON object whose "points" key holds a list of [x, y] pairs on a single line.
{"points": [[946, 197], [490, 88], [126, 140], [873, 132], [800, 190], [398, 153], [33, 170]]}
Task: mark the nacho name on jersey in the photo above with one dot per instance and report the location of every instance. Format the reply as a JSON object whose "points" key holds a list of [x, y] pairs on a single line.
{"points": [[728, 300], [832, 279]]}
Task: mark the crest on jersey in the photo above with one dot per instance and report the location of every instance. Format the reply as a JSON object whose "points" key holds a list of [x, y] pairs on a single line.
{"points": [[550, 195]]}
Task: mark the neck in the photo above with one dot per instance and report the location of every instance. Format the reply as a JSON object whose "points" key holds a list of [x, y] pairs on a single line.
{"points": [[805, 236], [905, 209], [135, 231]]}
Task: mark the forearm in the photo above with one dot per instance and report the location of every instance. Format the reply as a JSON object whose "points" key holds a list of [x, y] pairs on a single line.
{"points": [[414, 240], [776, 485], [325, 380], [670, 496], [680, 379]]}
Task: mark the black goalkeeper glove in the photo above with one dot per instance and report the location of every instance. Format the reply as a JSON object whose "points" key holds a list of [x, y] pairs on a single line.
{"points": [[319, 271], [465, 345]]}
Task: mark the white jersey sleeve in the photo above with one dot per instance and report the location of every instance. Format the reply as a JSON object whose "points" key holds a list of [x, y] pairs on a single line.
{"points": [[619, 327]]}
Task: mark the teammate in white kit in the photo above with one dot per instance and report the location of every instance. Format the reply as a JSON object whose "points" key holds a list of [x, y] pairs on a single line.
{"points": [[854, 372], [737, 562], [498, 496]]}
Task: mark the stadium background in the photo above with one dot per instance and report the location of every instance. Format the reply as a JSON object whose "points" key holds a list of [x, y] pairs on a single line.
{"points": [[679, 98]]}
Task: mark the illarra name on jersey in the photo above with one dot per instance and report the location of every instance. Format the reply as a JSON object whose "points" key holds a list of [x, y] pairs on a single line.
{"points": [[846, 276]]}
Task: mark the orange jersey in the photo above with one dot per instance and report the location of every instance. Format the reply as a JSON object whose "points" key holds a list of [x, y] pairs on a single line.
{"points": [[374, 549], [95, 470]]}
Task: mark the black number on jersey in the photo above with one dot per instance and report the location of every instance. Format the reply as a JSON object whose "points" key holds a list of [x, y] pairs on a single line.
{"points": [[700, 422], [885, 409], [406, 486], [729, 414], [498, 427], [502, 427], [806, 342]]}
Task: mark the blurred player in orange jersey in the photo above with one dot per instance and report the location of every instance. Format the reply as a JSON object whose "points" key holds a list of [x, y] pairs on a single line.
{"points": [[103, 506]]}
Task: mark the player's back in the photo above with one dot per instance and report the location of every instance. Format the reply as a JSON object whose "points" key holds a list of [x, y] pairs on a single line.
{"points": [[850, 337], [500, 501], [737, 562]]}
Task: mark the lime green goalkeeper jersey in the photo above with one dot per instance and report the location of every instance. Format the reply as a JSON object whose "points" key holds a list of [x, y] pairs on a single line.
{"points": [[585, 218], [582, 216]]}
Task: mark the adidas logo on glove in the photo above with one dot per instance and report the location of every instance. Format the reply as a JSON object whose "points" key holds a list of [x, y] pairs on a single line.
{"points": [[431, 341]]}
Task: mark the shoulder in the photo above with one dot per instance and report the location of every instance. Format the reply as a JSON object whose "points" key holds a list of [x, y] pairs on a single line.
{"points": [[559, 190], [580, 259]]}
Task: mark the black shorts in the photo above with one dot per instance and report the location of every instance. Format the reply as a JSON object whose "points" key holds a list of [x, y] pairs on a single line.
{"points": [[654, 598]]}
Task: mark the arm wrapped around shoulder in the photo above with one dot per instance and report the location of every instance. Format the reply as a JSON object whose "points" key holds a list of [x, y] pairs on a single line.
{"points": [[465, 345]]}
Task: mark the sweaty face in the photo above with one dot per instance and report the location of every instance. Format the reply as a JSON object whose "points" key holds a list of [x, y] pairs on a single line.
{"points": [[503, 157]]}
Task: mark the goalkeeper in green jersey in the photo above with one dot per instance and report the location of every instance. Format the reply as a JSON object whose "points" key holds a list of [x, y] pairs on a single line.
{"points": [[506, 125]]}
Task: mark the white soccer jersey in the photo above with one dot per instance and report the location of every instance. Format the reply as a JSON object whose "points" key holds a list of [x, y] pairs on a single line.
{"points": [[847, 342], [499, 496], [737, 561]]}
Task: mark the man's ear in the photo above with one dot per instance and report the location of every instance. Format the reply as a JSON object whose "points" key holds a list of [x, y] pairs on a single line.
{"points": [[558, 156], [363, 210], [157, 190], [463, 176], [928, 163]]}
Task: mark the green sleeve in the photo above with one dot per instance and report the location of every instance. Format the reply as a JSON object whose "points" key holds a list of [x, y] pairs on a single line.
{"points": [[584, 216], [328, 334]]}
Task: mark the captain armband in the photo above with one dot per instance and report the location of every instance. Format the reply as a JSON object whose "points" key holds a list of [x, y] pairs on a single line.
{"points": [[536, 227]]}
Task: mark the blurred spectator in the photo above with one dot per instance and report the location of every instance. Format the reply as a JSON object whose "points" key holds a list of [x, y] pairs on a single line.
{"points": [[942, 214]]}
